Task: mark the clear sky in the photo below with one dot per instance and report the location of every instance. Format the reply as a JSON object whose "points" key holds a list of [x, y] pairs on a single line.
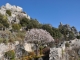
{"points": [[51, 11]]}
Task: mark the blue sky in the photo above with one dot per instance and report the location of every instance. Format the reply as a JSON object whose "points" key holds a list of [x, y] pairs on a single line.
{"points": [[51, 11]]}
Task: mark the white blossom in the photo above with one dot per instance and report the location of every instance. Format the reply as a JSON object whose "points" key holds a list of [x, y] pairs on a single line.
{"points": [[38, 35]]}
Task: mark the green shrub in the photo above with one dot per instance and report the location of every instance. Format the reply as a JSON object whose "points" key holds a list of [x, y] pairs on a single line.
{"points": [[3, 21], [16, 27], [5, 17], [24, 22], [67, 44], [10, 55], [1, 25], [1, 40], [78, 37], [8, 12]]}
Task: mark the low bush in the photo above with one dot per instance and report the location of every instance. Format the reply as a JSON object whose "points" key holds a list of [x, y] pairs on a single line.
{"points": [[67, 44], [10, 55]]}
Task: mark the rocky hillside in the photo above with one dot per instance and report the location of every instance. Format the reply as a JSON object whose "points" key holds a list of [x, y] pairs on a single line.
{"points": [[22, 37], [17, 20]]}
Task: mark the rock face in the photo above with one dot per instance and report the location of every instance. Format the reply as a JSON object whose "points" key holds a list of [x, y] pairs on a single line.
{"points": [[6, 48], [28, 46], [75, 43], [55, 54], [19, 49], [15, 8]]}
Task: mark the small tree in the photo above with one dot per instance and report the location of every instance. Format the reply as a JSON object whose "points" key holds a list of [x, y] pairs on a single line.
{"points": [[38, 37]]}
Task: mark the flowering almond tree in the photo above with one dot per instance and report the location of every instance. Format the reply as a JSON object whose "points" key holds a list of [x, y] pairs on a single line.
{"points": [[38, 35]]}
